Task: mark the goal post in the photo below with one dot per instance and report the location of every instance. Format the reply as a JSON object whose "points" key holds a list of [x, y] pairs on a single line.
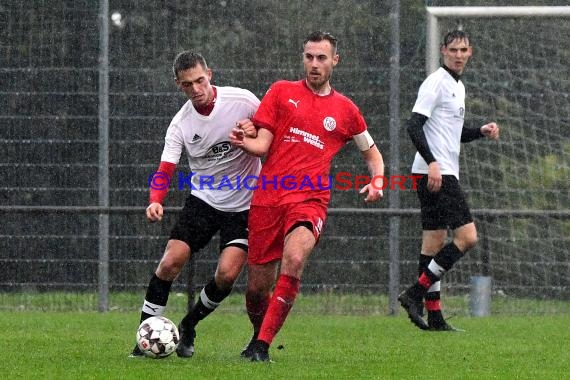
{"points": [[433, 33]]}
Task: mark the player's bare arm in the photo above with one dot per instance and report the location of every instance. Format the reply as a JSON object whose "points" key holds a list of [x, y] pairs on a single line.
{"points": [[490, 131], [154, 212], [258, 146], [375, 164]]}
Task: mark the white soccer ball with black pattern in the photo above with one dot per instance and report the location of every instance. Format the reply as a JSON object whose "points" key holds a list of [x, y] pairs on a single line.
{"points": [[157, 337]]}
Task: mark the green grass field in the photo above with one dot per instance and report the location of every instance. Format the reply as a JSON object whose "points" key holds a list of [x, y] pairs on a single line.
{"points": [[91, 345]]}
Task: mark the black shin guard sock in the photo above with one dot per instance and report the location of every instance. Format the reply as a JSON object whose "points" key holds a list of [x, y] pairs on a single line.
{"points": [[423, 263], [156, 293], [214, 296], [214, 293], [433, 296], [448, 256]]}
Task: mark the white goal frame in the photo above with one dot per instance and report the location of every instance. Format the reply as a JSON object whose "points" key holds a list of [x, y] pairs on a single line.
{"points": [[433, 36]]}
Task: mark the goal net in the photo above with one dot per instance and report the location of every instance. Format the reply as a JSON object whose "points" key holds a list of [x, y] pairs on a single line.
{"points": [[520, 185]]}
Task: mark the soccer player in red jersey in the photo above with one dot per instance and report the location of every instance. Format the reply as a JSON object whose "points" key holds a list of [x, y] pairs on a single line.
{"points": [[301, 126]]}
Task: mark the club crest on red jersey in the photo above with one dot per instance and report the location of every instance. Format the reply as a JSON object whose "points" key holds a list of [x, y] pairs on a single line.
{"points": [[329, 123]]}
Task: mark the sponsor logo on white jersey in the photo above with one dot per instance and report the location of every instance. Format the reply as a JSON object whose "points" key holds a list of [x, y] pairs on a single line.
{"points": [[220, 150]]}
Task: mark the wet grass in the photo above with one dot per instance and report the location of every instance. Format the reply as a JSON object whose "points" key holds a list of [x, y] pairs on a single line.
{"points": [[91, 345], [325, 302]]}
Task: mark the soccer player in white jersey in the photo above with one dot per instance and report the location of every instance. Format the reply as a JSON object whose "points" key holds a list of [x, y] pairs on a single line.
{"points": [[436, 130], [218, 200]]}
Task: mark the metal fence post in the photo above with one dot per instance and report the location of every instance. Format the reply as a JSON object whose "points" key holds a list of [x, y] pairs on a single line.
{"points": [[394, 195], [103, 66]]}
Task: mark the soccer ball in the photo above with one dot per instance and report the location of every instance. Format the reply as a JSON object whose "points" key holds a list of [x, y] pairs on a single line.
{"points": [[157, 337]]}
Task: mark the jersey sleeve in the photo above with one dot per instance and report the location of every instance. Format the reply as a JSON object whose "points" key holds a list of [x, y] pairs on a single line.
{"points": [[359, 125], [428, 96], [352, 117], [266, 115], [173, 145], [253, 102]]}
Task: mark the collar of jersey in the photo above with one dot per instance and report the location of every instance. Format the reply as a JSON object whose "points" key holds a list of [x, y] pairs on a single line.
{"points": [[452, 73]]}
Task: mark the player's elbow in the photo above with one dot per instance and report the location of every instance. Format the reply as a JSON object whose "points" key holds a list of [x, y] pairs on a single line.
{"points": [[258, 154], [415, 123], [262, 151], [258, 151]]}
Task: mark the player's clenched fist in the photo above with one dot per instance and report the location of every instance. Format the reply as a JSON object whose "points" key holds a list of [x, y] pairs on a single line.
{"points": [[491, 131], [247, 127], [154, 212]]}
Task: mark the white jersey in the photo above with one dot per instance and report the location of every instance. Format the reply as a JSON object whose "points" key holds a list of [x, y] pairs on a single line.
{"points": [[218, 168], [442, 99]]}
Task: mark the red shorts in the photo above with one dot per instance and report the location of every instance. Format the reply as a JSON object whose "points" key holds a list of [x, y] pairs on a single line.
{"points": [[269, 225]]}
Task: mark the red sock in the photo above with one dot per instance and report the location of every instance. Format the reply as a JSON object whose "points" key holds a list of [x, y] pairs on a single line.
{"points": [[283, 297], [256, 311], [433, 305], [425, 281]]}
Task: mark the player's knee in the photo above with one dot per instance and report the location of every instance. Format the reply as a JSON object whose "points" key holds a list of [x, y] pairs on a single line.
{"points": [[167, 271], [467, 241], [471, 241], [170, 266], [225, 278], [293, 264], [229, 268]]}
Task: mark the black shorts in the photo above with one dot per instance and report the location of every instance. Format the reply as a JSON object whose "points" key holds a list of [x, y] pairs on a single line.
{"points": [[445, 209], [198, 222]]}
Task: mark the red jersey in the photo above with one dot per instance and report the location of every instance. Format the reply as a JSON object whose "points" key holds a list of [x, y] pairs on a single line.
{"points": [[308, 131]]}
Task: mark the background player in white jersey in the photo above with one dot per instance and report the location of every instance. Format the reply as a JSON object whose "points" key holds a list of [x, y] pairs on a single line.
{"points": [[201, 127], [437, 131]]}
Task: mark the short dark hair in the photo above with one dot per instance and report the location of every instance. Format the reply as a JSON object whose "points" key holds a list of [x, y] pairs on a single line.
{"points": [[319, 36], [457, 34], [187, 60]]}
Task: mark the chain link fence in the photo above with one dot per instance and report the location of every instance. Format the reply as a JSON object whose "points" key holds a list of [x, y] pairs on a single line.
{"points": [[50, 139]]}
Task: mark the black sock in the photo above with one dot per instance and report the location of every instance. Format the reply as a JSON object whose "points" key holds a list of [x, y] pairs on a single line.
{"points": [[156, 297], [448, 256], [435, 318], [434, 315], [210, 298], [423, 263]]}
